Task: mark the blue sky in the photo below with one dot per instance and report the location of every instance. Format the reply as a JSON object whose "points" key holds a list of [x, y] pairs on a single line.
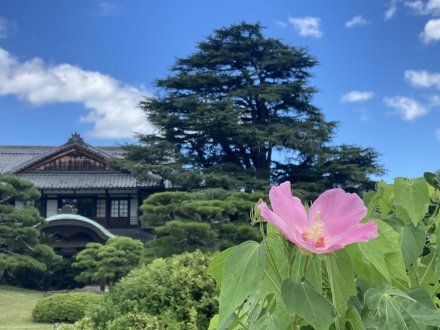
{"points": [[83, 66]]}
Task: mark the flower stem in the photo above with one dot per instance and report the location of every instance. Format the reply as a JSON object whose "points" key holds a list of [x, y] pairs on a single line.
{"points": [[332, 288], [241, 323], [290, 250], [416, 272]]}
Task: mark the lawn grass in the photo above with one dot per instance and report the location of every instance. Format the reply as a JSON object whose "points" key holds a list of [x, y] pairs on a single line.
{"points": [[16, 306]]}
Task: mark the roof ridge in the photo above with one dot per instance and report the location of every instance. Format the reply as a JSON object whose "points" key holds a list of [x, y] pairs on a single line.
{"points": [[74, 141]]}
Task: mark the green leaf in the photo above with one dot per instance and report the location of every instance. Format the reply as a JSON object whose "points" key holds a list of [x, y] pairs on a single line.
{"points": [[303, 300], [353, 319], [313, 273], [299, 265], [213, 324], [380, 259], [272, 321], [342, 282], [412, 241], [426, 276], [422, 296], [242, 272], [215, 269], [276, 245], [412, 198], [390, 308], [432, 179], [437, 239], [384, 311], [386, 199]]}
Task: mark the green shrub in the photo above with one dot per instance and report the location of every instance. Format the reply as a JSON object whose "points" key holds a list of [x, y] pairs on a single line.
{"points": [[175, 291], [65, 307], [132, 321], [84, 324]]}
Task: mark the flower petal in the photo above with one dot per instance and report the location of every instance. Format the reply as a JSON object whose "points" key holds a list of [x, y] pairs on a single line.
{"points": [[288, 207], [361, 232], [284, 225], [338, 210]]}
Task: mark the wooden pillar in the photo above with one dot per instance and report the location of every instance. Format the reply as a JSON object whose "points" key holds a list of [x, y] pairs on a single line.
{"points": [[107, 207]]}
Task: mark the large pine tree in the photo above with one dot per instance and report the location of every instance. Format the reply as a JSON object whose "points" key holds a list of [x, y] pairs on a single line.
{"points": [[21, 246], [238, 114]]}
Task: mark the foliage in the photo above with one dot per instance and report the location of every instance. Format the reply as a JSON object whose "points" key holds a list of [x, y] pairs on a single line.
{"points": [[209, 219], [59, 277], [134, 321], [346, 166], [174, 292], [237, 113], [390, 282], [21, 247], [65, 307], [108, 263]]}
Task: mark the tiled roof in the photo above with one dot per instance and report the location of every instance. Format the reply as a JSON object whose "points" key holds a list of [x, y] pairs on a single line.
{"points": [[15, 157], [87, 180]]}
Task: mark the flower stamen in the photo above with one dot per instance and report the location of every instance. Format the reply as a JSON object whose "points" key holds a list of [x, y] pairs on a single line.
{"points": [[316, 232]]}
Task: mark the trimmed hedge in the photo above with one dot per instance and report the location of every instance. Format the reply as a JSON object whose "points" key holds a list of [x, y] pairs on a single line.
{"points": [[65, 307]]}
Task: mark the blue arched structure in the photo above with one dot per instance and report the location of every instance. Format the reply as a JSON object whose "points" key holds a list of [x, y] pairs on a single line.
{"points": [[72, 232]]}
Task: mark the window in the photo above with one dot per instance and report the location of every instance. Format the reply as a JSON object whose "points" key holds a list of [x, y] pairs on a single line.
{"points": [[119, 208], [100, 208], [84, 206]]}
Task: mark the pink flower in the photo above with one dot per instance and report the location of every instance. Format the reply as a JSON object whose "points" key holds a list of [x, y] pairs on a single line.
{"points": [[331, 224]]}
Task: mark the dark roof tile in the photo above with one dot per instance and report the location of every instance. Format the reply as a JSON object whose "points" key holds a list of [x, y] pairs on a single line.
{"points": [[87, 180]]}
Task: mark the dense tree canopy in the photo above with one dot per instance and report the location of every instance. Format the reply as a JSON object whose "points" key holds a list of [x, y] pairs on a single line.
{"points": [[237, 114], [21, 245], [209, 219], [107, 263]]}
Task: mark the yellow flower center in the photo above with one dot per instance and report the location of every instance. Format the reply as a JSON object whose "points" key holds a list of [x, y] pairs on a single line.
{"points": [[315, 232]]}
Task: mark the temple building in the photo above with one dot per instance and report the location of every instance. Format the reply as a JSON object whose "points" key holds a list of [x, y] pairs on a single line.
{"points": [[82, 197]]}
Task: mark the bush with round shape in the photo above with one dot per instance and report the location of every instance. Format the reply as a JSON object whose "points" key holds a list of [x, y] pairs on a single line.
{"points": [[65, 307], [176, 290]]}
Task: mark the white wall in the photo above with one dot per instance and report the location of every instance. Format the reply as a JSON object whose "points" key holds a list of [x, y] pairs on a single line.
{"points": [[19, 204], [133, 211], [52, 207]]}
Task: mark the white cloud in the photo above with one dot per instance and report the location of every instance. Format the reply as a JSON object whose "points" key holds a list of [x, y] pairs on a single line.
{"points": [[358, 20], [281, 23], [112, 105], [416, 6], [357, 96], [307, 26], [423, 78], [431, 7], [405, 107], [434, 100], [106, 8], [437, 133], [432, 31], [6, 28], [391, 11]]}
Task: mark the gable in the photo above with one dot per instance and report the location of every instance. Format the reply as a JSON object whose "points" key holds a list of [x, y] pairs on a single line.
{"points": [[74, 158]]}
